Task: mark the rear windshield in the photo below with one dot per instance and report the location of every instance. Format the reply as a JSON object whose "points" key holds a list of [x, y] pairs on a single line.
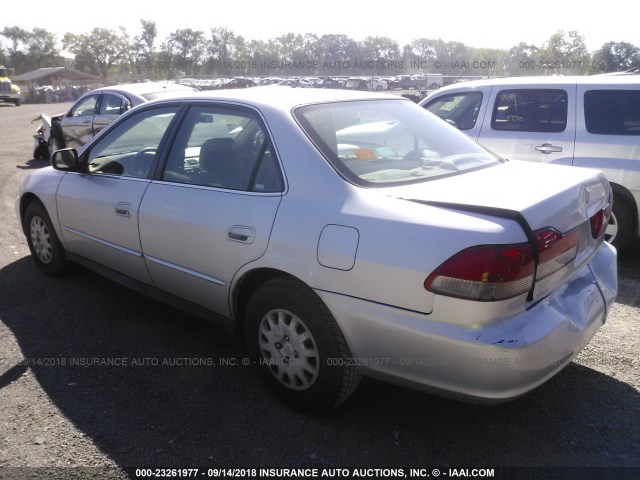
{"points": [[389, 142]]}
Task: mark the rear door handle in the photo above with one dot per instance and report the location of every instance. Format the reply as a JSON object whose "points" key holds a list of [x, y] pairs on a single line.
{"points": [[547, 148], [123, 209], [240, 233]]}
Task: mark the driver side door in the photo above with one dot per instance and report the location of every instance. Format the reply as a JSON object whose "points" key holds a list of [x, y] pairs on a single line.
{"points": [[77, 125], [98, 210]]}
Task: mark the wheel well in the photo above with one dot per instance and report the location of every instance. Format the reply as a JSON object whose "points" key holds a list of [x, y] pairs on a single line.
{"points": [[245, 288], [626, 196], [25, 201]]}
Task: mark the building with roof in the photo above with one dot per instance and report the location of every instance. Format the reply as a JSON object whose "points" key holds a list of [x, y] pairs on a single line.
{"points": [[55, 84]]}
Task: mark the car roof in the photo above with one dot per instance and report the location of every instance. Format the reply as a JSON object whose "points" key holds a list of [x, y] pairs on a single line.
{"points": [[556, 80], [144, 88], [283, 97]]}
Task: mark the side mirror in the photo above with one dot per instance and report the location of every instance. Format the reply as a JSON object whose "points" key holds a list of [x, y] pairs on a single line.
{"points": [[66, 160]]}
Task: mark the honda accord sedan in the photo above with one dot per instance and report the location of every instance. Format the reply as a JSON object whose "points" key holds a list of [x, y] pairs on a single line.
{"points": [[341, 235]]}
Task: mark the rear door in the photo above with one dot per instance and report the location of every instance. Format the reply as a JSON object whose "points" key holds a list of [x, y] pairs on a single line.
{"points": [[112, 105], [211, 209], [534, 123]]}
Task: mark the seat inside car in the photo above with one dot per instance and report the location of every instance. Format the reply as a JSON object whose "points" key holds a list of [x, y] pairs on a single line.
{"points": [[220, 164]]}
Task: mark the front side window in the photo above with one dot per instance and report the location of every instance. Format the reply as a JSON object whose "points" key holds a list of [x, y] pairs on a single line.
{"points": [[223, 148], [459, 109], [530, 110], [389, 142], [612, 112], [130, 148], [85, 107]]}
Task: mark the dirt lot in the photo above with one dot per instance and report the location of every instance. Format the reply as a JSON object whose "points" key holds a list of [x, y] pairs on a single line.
{"points": [[186, 414]]}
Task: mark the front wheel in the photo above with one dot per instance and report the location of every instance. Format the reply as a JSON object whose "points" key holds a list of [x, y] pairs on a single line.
{"points": [[54, 144], [45, 247], [302, 355], [41, 152]]}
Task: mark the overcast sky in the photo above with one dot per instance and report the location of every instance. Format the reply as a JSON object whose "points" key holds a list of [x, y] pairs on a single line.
{"points": [[487, 23]]}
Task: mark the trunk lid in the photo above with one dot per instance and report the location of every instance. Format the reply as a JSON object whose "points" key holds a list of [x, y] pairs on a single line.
{"points": [[538, 196]]}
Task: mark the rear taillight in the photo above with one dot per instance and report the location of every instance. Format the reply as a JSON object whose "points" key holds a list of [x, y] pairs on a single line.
{"points": [[497, 272], [600, 220], [485, 273], [555, 250]]}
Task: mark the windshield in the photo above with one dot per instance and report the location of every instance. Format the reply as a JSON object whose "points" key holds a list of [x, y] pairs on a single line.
{"points": [[389, 142]]}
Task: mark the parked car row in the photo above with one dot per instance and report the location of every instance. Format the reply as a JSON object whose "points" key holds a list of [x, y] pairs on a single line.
{"points": [[373, 83], [340, 234]]}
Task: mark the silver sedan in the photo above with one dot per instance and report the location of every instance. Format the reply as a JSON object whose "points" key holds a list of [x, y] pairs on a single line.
{"points": [[341, 234], [98, 108]]}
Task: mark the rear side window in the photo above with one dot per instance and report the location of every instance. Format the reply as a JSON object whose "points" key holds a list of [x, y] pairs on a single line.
{"points": [[113, 105], [612, 112], [459, 109], [530, 110], [223, 148]]}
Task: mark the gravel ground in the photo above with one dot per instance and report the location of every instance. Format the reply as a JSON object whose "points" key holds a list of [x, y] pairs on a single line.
{"points": [[57, 414]]}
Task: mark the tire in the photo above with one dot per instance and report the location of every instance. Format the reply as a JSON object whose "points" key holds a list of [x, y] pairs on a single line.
{"points": [[302, 355], [618, 232], [54, 144], [41, 152], [46, 249], [17, 102]]}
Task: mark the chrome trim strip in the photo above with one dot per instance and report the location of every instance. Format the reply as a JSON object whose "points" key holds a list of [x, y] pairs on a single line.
{"points": [[185, 270], [217, 189], [104, 242]]}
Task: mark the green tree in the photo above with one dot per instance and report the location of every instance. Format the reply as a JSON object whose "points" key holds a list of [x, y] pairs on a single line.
{"points": [[335, 50], [17, 37], [42, 49], [143, 47], [188, 46], [564, 54], [221, 50], [617, 56], [98, 51], [380, 50]]}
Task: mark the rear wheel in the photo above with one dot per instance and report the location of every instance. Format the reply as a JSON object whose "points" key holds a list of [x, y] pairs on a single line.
{"points": [[46, 249], [618, 231], [302, 355]]}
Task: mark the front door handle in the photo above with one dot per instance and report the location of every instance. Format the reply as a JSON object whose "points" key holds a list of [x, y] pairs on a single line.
{"points": [[240, 233], [547, 148]]}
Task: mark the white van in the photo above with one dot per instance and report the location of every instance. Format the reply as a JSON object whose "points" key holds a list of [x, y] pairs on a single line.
{"points": [[589, 121]]}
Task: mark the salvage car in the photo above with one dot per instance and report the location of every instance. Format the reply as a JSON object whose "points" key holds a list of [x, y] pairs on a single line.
{"points": [[340, 234], [94, 111]]}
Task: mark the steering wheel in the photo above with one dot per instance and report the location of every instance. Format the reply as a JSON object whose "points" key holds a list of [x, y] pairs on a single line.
{"points": [[141, 162]]}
